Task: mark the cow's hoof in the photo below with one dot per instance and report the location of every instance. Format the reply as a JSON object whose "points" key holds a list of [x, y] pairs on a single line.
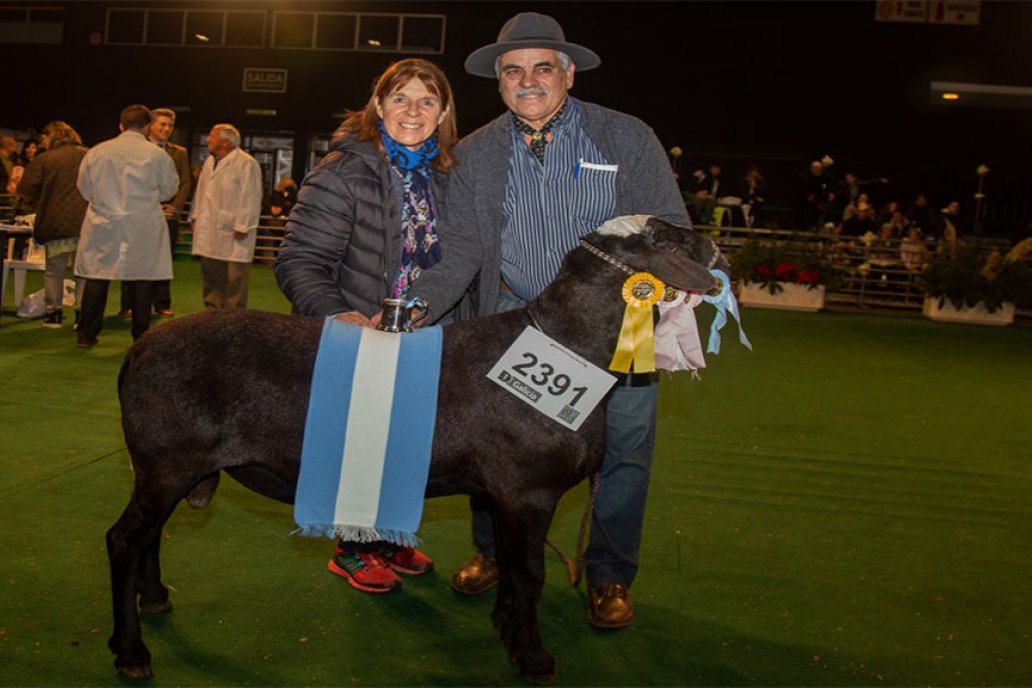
{"points": [[157, 607], [136, 673], [548, 679], [538, 667]]}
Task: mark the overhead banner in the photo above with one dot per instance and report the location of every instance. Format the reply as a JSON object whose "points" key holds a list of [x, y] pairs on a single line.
{"points": [[956, 12], [914, 11]]}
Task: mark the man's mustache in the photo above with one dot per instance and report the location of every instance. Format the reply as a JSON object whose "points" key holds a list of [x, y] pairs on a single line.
{"points": [[521, 92]]}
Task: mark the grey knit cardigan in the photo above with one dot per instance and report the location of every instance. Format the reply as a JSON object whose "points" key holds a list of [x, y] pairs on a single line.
{"points": [[470, 230]]}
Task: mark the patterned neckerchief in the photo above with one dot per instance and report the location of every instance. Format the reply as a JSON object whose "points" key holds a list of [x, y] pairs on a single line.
{"points": [[539, 138], [419, 246]]}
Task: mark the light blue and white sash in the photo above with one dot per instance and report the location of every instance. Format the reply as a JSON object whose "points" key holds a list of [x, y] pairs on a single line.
{"points": [[369, 434]]}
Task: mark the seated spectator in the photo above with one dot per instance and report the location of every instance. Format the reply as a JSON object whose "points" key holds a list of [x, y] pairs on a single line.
{"points": [[704, 193], [887, 211], [754, 192], [920, 213], [861, 223], [912, 251], [899, 225], [883, 255], [851, 209]]}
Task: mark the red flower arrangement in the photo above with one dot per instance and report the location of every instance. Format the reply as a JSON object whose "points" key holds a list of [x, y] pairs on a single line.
{"points": [[774, 263]]}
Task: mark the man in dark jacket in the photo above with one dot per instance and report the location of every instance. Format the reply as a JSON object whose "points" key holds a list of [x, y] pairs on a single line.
{"points": [[50, 183]]}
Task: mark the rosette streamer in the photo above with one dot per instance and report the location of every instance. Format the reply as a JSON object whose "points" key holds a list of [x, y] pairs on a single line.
{"points": [[636, 344], [677, 334], [724, 302]]}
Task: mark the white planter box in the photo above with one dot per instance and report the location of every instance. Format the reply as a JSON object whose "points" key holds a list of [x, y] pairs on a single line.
{"points": [[977, 315], [795, 297]]}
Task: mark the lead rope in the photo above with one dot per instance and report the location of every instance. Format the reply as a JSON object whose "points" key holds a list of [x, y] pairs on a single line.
{"points": [[576, 569]]}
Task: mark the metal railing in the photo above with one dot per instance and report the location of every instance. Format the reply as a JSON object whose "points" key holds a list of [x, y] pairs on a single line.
{"points": [[876, 273], [270, 234]]}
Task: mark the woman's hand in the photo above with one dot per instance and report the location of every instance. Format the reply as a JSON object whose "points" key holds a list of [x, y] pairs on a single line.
{"points": [[355, 318]]}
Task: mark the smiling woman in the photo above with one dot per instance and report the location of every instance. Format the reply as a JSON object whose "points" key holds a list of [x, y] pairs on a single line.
{"points": [[411, 114], [363, 229]]}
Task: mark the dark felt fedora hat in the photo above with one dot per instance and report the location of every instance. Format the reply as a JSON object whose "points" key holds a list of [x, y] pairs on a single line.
{"points": [[529, 30]]}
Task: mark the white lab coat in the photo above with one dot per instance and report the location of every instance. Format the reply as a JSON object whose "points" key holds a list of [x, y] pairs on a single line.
{"points": [[124, 234], [228, 200]]}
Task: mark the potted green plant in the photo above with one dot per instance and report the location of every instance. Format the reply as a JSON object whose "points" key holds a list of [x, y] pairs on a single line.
{"points": [[792, 274], [965, 284]]}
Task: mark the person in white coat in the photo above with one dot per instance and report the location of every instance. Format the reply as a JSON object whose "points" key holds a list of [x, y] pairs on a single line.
{"points": [[224, 218], [124, 234]]}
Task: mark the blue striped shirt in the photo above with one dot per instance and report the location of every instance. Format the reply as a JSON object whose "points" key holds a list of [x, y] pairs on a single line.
{"points": [[549, 207]]}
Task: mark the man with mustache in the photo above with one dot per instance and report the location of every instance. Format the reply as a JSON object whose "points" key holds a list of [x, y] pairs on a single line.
{"points": [[530, 184]]}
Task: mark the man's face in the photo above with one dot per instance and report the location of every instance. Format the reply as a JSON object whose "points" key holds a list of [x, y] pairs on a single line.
{"points": [[533, 84], [161, 129], [214, 140]]}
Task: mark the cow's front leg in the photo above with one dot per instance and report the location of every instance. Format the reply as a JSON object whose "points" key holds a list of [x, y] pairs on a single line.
{"points": [[522, 529]]}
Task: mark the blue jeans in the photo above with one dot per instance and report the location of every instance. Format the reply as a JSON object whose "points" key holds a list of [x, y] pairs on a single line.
{"points": [[616, 522]]}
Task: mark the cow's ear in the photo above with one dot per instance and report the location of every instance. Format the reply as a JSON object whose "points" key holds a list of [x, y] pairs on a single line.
{"points": [[679, 270]]}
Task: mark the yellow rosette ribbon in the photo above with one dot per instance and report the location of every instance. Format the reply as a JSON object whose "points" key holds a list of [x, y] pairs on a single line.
{"points": [[641, 291]]}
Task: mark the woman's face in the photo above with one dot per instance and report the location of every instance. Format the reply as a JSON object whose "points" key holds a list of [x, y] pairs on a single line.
{"points": [[410, 113], [30, 150]]}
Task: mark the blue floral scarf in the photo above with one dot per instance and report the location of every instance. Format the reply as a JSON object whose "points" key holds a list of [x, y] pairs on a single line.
{"points": [[419, 246]]}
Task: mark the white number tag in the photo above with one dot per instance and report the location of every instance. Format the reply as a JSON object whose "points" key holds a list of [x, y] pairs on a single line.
{"points": [[551, 378]]}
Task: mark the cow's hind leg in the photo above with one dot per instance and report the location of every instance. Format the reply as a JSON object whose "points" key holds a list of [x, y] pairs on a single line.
{"points": [[522, 530], [133, 543], [153, 593]]}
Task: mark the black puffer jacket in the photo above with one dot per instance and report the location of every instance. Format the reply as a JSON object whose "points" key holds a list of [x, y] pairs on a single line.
{"points": [[50, 181], [342, 246]]}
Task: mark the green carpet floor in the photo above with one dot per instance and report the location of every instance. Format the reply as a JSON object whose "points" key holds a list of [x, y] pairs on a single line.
{"points": [[847, 505]]}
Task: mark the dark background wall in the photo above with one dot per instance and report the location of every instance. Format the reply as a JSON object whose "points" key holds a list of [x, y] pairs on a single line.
{"points": [[771, 83]]}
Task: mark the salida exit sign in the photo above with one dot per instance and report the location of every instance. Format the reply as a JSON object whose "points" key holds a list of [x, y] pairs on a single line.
{"points": [[265, 80]]}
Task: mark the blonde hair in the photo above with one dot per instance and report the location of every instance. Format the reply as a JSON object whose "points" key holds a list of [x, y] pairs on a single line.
{"points": [[163, 112], [59, 132]]}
